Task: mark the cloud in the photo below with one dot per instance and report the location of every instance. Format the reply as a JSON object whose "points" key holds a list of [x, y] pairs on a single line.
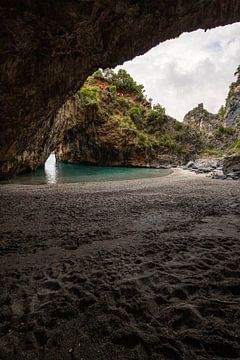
{"points": [[196, 67]]}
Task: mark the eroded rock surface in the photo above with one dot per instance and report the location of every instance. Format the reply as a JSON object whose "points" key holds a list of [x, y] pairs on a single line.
{"points": [[47, 50], [202, 120], [231, 164]]}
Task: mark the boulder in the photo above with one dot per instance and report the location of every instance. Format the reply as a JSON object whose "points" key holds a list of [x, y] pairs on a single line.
{"points": [[231, 164]]}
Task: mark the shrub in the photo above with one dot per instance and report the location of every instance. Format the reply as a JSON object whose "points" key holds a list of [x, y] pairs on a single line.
{"points": [[180, 135], [144, 140], [213, 152], [222, 130], [112, 89], [167, 141], [159, 109], [126, 121], [125, 83], [178, 126], [98, 75], [123, 102], [89, 95], [221, 112], [155, 118], [235, 146], [136, 115]]}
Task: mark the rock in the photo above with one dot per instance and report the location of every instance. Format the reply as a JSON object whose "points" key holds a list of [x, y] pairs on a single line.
{"points": [[220, 131], [232, 114], [120, 128], [234, 175], [165, 166], [201, 120], [231, 164], [204, 169], [206, 165], [217, 174], [206, 162], [189, 164]]}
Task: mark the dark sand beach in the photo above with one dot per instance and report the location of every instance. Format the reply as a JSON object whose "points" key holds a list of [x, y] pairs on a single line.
{"points": [[143, 269]]}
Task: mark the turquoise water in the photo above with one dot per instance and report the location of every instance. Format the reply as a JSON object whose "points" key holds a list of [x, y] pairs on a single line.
{"points": [[55, 173]]}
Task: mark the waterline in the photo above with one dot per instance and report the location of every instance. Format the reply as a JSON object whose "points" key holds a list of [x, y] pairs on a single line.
{"points": [[57, 173]]}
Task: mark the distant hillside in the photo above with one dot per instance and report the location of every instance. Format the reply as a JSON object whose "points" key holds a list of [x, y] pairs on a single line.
{"points": [[110, 122]]}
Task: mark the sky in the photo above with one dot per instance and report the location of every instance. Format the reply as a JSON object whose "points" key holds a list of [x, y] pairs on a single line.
{"points": [[195, 68]]}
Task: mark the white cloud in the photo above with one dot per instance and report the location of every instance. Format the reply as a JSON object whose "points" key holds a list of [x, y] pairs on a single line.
{"points": [[196, 67]]}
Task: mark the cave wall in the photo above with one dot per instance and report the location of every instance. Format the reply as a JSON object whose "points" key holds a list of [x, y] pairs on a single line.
{"points": [[48, 48]]}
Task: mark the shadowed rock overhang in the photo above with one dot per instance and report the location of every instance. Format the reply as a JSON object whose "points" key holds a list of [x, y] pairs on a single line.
{"points": [[48, 48]]}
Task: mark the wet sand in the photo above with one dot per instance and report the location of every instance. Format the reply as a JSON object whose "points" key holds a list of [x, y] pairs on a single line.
{"points": [[143, 269]]}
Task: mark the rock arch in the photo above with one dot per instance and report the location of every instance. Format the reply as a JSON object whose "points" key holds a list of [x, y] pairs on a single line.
{"points": [[48, 49]]}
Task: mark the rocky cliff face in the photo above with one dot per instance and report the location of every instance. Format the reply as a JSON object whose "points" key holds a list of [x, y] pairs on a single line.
{"points": [[48, 49], [232, 114], [202, 120], [28, 155], [93, 138], [111, 123], [221, 133], [212, 128]]}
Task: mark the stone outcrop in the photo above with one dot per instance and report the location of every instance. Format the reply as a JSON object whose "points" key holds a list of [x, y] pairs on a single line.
{"points": [[231, 164], [48, 49], [215, 135], [28, 155], [202, 120], [221, 136], [232, 113]]}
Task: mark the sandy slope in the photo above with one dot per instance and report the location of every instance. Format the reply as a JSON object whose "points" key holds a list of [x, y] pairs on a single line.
{"points": [[146, 269]]}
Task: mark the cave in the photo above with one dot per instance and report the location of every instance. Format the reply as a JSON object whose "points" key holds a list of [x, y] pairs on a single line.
{"points": [[48, 50], [144, 269]]}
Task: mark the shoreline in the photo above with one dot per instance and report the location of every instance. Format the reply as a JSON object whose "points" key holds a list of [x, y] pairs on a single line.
{"points": [[177, 173]]}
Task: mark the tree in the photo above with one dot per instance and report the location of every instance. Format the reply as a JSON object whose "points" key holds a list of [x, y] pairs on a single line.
{"points": [[160, 109], [155, 118], [108, 74], [125, 83], [98, 74]]}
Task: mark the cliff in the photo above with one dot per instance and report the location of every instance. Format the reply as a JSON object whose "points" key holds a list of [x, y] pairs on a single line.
{"points": [[112, 123], [202, 120], [232, 112]]}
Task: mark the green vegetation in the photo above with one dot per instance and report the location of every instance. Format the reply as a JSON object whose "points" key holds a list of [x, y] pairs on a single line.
{"points": [[136, 115], [235, 147], [90, 95], [155, 118], [145, 140], [112, 89], [212, 152], [122, 102], [222, 130], [115, 124], [221, 112], [122, 81], [168, 141]]}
